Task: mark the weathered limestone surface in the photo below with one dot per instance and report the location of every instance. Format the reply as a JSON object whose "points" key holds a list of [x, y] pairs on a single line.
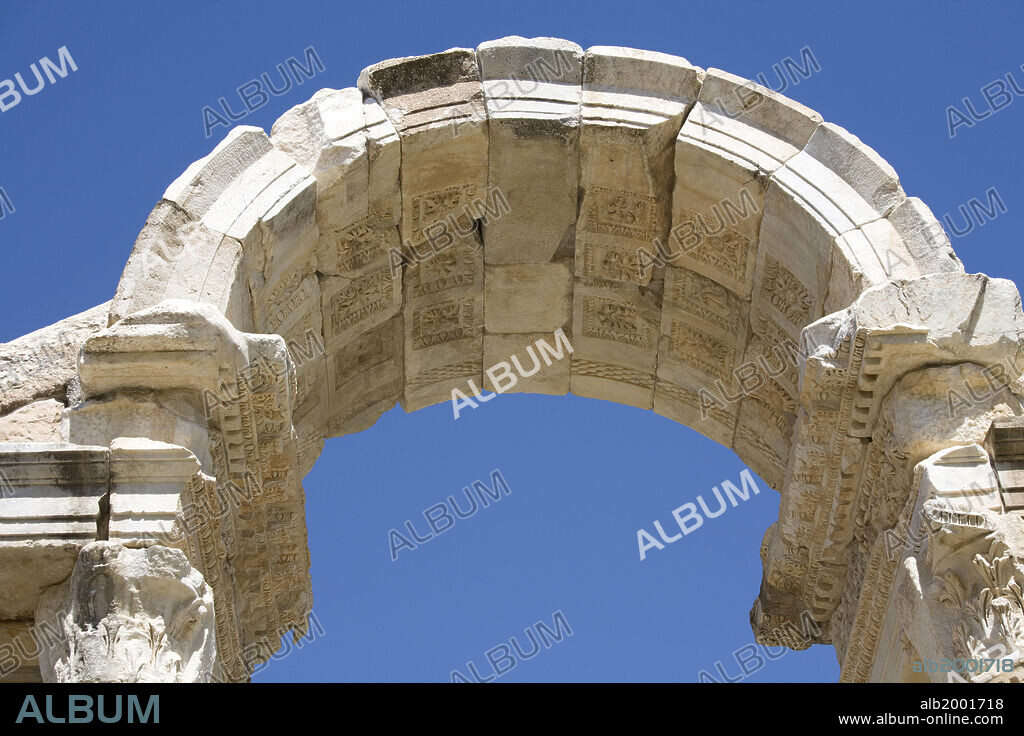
{"points": [[35, 422], [353, 151], [532, 90], [20, 653], [957, 590], [634, 103], [233, 500], [436, 104], [953, 555], [41, 365], [713, 251], [51, 498], [129, 615]]}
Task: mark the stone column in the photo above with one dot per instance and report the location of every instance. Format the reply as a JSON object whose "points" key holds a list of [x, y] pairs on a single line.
{"points": [[958, 592], [217, 474], [127, 615]]}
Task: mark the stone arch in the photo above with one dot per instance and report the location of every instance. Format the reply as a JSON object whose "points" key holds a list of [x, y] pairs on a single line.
{"points": [[712, 250], [768, 214]]}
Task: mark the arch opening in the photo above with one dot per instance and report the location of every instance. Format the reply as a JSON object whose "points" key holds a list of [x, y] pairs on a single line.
{"points": [[641, 230]]}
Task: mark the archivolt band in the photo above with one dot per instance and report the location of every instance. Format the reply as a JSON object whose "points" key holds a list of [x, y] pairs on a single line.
{"points": [[826, 332]]}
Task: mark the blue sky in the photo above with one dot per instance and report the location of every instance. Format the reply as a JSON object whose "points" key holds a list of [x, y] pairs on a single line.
{"points": [[84, 161]]}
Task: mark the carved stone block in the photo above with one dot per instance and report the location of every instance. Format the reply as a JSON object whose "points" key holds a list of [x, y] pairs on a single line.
{"points": [[527, 298], [532, 90], [615, 336], [129, 615], [522, 354]]}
